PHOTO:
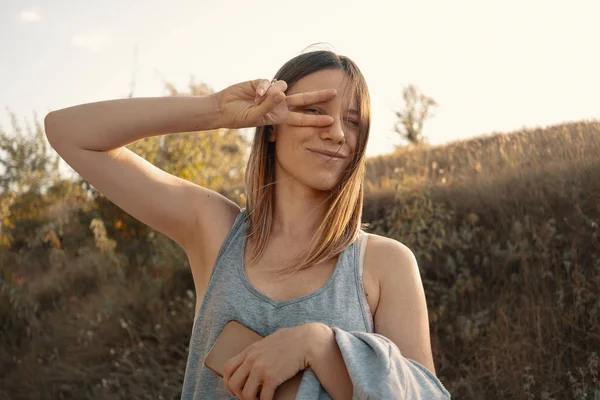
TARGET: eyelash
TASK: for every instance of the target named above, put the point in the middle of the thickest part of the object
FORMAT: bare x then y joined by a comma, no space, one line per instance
355,123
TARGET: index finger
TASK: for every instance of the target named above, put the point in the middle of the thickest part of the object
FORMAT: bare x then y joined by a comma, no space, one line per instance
305,98
301,119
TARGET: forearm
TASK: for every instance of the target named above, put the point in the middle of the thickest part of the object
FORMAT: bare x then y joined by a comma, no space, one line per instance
107,125
326,361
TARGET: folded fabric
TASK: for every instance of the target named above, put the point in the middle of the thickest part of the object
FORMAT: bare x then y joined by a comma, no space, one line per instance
377,370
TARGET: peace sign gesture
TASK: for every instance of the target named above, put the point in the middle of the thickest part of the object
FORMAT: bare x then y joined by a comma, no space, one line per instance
262,102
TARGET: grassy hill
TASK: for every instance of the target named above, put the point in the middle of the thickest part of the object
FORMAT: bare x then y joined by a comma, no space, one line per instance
505,228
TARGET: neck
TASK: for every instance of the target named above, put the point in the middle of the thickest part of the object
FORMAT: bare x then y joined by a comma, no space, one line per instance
299,210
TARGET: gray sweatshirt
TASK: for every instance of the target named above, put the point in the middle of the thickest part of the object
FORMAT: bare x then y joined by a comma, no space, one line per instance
377,370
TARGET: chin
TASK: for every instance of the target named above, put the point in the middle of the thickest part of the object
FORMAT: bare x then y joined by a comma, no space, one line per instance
322,180
324,185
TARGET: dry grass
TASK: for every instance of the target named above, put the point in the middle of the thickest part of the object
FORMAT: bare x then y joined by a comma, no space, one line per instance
505,228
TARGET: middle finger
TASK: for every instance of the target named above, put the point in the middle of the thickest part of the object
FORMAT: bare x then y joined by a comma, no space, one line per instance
237,381
253,386
305,98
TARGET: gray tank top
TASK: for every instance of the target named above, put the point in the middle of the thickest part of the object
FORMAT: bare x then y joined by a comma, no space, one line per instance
229,295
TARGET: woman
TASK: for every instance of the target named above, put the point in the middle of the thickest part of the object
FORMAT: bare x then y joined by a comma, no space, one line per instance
290,265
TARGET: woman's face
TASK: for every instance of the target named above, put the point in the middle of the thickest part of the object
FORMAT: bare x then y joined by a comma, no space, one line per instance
295,145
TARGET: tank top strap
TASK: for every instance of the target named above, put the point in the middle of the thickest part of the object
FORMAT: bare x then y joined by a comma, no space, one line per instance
359,269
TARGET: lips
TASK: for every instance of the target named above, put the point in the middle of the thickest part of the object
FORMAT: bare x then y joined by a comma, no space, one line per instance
328,153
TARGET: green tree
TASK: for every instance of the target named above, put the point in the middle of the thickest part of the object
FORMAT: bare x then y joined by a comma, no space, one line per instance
28,162
214,159
29,168
411,118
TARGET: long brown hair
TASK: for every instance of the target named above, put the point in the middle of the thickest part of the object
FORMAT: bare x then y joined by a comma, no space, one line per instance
342,222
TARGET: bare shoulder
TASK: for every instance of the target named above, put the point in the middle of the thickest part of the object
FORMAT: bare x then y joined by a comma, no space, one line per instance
402,314
385,248
387,256
383,259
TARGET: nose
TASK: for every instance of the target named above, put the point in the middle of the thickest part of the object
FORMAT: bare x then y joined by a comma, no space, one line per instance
334,132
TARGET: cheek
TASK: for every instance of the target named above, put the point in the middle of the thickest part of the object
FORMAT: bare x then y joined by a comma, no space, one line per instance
293,138
353,143
288,148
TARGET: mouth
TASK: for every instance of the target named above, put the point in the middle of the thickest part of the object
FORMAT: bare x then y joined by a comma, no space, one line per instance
327,155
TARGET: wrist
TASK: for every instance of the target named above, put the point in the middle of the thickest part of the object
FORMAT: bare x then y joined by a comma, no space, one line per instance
214,107
320,337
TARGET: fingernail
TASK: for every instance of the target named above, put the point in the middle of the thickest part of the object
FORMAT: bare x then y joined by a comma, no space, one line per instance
261,91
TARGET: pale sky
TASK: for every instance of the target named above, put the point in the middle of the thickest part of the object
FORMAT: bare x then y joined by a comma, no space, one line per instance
493,66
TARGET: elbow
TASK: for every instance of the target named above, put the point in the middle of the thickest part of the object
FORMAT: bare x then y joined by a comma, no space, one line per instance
51,128
49,124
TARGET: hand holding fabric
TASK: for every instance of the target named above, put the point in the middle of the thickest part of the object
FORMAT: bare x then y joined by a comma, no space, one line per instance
266,364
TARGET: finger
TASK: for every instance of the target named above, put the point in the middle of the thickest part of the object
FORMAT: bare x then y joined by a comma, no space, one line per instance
268,87
270,102
303,119
261,86
305,98
238,380
230,368
252,385
267,393
280,85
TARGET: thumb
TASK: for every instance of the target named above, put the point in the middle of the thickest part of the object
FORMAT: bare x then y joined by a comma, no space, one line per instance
270,103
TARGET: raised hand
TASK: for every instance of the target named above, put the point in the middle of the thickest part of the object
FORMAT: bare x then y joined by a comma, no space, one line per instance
260,102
